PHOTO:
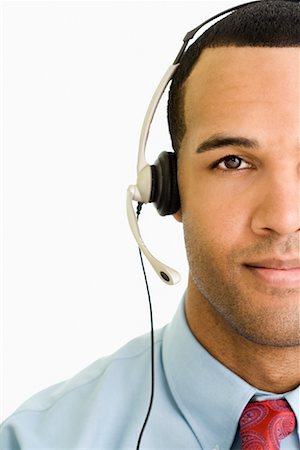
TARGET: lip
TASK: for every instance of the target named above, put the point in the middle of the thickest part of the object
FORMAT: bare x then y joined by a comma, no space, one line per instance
277,272
274,263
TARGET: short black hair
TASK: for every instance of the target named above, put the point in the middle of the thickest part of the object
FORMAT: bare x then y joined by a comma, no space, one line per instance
268,23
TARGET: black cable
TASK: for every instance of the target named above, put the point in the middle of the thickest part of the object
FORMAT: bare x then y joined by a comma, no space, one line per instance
138,211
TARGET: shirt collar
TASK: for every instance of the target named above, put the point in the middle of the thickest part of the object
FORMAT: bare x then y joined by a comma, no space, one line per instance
209,395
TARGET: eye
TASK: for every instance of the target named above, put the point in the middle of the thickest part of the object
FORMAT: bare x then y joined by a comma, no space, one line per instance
231,162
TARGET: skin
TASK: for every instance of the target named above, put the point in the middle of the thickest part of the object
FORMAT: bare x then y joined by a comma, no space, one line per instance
232,217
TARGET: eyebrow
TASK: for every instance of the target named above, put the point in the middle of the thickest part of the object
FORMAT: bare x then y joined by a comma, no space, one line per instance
217,141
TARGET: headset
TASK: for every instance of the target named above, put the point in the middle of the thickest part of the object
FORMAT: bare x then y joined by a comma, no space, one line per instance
157,183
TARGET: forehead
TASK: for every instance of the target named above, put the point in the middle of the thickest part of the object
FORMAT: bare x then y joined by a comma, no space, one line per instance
223,68
244,87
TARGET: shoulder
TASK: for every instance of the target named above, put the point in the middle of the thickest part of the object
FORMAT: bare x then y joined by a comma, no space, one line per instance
102,386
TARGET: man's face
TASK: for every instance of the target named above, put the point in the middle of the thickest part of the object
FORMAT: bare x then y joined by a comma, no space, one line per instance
241,215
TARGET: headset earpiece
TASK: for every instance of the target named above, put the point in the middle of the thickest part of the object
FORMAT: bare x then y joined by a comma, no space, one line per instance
164,188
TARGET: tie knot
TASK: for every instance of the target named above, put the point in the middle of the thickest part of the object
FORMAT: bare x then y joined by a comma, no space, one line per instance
264,424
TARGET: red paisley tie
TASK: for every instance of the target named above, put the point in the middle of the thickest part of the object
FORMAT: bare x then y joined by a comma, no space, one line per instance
264,424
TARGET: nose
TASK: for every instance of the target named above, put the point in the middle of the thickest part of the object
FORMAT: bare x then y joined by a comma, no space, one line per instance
278,206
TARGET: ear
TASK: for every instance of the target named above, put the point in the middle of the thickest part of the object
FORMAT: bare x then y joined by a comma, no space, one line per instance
178,216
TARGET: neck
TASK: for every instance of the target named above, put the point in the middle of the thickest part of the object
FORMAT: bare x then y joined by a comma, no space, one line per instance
277,369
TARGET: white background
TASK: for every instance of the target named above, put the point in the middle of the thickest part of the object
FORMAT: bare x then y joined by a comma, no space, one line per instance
76,81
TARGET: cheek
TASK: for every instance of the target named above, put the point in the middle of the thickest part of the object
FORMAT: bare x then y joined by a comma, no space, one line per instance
219,216
212,235
208,252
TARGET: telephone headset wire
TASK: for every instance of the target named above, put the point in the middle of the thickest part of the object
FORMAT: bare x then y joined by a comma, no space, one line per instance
138,211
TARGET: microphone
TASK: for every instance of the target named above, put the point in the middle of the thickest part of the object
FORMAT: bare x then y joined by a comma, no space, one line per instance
167,274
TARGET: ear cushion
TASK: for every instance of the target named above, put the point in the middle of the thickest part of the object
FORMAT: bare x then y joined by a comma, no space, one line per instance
164,190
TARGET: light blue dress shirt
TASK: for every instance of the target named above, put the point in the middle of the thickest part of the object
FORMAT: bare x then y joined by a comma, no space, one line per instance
197,401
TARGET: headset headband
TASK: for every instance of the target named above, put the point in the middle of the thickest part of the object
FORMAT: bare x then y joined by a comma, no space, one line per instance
190,34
